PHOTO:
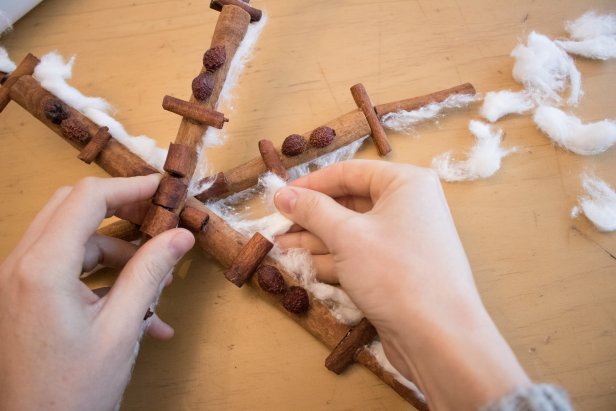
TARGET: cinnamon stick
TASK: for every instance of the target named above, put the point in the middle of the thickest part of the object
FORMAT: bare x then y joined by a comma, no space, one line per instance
157,220
349,127
219,187
180,160
418,102
171,192
255,14
271,158
26,67
95,146
248,259
194,112
360,95
194,219
344,354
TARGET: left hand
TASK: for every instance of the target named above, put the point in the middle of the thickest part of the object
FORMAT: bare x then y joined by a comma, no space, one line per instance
64,348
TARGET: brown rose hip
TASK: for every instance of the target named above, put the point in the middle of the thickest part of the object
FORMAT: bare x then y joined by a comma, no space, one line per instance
322,137
214,58
203,85
270,279
56,111
75,130
294,145
295,300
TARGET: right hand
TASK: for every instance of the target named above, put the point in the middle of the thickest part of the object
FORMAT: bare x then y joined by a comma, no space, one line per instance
384,232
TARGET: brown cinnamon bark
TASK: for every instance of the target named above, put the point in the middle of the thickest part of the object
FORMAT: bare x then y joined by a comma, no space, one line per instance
116,159
418,102
157,220
255,14
194,219
94,147
219,188
344,354
230,30
194,112
271,158
25,68
180,160
360,95
171,192
248,259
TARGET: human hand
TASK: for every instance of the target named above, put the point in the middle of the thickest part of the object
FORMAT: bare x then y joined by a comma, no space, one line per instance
384,232
64,348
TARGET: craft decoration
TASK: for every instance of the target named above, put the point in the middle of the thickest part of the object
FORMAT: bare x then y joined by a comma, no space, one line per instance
248,259
271,158
360,95
194,112
194,219
344,354
96,144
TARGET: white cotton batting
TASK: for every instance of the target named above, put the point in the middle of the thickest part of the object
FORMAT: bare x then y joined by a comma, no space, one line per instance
598,48
591,25
598,204
545,70
484,159
6,64
569,132
497,104
376,349
403,121
53,72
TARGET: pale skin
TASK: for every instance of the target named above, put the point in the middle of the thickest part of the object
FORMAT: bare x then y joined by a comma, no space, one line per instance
64,348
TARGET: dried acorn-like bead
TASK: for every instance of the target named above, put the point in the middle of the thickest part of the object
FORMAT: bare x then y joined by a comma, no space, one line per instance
294,145
75,130
203,85
295,300
214,58
270,279
56,111
322,137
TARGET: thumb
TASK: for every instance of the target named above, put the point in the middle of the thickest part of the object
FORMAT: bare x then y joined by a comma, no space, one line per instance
315,211
142,277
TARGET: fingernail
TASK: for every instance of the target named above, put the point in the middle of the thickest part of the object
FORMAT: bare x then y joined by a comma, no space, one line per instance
285,200
181,242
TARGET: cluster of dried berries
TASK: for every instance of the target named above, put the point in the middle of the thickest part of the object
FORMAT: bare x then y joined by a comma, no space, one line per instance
322,137
56,111
214,58
295,300
294,145
75,130
203,85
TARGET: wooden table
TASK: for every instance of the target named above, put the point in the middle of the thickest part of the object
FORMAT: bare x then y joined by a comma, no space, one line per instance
548,281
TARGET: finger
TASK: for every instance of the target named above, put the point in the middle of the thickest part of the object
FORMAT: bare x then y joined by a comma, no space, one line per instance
359,204
314,211
134,212
159,329
87,204
39,222
302,239
362,178
325,268
107,251
142,278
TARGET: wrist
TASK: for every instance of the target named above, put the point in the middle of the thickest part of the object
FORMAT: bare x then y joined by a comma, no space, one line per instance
455,355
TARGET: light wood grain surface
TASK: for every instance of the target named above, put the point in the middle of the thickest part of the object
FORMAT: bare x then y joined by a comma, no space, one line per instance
548,281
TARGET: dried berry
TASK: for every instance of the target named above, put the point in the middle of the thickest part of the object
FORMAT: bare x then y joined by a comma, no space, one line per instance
56,111
75,130
294,145
203,85
295,300
214,58
322,137
270,279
